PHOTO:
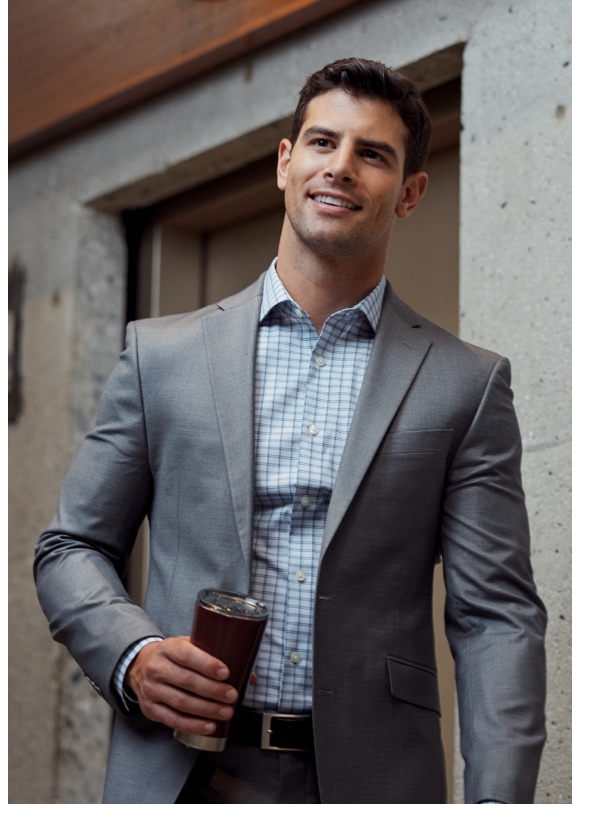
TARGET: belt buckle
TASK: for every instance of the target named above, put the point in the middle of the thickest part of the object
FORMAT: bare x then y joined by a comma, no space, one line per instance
266,731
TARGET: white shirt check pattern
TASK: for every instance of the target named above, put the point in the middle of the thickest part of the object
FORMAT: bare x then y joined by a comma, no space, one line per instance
306,389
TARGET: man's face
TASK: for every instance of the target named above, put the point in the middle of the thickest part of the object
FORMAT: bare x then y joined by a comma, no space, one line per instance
343,179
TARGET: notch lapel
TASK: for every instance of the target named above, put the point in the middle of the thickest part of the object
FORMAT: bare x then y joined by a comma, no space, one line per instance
398,352
230,337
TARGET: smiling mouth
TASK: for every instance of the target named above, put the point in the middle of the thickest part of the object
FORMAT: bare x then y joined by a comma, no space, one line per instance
332,200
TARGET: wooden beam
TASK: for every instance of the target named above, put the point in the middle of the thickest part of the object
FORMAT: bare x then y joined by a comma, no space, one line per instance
72,63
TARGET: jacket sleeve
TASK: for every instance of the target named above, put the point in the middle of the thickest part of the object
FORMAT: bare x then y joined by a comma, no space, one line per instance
495,621
81,559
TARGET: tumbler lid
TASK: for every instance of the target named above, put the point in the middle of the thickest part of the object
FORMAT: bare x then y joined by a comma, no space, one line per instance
233,604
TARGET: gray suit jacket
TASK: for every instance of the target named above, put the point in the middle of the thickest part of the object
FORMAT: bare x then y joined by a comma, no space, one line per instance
430,468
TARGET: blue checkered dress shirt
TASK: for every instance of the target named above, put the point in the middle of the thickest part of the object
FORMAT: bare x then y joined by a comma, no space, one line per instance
306,389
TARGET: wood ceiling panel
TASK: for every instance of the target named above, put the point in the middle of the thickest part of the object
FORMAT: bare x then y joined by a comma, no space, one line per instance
71,63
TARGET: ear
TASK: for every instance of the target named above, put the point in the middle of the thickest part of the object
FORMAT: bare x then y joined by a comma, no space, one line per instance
283,161
413,191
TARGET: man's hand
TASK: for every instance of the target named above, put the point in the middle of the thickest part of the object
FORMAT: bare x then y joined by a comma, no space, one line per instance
181,686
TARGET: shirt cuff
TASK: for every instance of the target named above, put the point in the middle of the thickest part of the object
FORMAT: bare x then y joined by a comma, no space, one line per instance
125,694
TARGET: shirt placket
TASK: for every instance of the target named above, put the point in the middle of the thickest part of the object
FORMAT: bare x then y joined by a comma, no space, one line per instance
318,377
309,512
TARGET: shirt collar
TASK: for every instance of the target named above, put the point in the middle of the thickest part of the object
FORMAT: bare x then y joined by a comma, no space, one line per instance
275,293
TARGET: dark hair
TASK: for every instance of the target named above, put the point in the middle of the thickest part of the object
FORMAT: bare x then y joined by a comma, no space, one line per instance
361,78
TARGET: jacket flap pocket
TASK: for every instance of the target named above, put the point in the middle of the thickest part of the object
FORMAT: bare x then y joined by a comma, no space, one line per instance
414,684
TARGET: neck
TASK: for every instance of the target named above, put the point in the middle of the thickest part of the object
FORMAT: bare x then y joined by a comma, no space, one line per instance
323,284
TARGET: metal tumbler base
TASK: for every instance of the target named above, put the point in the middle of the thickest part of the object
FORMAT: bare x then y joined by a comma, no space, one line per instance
200,742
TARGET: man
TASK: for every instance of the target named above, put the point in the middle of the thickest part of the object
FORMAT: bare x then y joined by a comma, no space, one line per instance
317,443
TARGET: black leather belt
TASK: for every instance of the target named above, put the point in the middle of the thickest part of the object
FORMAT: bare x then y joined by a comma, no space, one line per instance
274,732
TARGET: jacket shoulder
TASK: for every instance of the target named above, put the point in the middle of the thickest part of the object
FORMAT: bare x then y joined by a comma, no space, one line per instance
447,347
179,328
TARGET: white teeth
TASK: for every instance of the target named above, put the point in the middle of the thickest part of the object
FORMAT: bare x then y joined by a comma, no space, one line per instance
330,200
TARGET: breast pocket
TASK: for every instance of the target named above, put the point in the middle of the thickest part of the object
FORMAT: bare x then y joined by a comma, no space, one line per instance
409,442
411,465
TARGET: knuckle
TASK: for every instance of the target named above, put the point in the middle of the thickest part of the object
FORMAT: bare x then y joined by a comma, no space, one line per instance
181,701
188,679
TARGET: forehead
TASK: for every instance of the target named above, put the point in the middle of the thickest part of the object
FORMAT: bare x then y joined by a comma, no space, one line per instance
369,118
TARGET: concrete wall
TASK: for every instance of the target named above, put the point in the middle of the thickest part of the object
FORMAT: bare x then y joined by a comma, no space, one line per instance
514,286
515,290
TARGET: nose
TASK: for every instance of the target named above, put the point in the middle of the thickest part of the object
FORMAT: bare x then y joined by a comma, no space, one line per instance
340,165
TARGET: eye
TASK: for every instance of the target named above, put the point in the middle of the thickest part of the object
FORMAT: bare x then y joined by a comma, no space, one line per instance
372,154
322,142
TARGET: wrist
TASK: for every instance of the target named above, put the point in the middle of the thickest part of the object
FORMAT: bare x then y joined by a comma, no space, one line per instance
122,676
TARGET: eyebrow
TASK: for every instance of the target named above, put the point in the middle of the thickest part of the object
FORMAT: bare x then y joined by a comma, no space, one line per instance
370,143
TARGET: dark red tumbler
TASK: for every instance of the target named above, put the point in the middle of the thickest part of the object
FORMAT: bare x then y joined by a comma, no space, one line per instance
229,626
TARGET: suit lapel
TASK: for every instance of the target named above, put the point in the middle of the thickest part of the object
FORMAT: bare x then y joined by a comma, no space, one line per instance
398,352
230,338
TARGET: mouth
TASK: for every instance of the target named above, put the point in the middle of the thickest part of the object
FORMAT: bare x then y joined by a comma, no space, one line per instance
338,202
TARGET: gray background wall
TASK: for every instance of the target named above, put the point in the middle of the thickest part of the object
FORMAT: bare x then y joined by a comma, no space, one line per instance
514,298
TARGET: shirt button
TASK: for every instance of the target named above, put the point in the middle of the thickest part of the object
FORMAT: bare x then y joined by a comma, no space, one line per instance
295,658
313,430
300,577
320,361
305,501
298,312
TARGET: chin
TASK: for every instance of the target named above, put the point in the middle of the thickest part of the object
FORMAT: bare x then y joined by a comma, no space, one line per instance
333,245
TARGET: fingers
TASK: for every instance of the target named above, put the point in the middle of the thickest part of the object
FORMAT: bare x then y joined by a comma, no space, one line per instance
181,686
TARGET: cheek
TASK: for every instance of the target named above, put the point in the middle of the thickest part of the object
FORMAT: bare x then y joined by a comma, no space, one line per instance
293,180
387,204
